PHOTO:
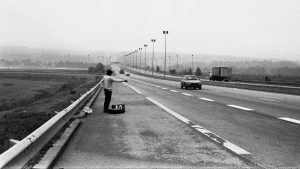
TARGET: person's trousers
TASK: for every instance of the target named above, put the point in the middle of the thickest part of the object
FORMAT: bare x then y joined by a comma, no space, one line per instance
107,94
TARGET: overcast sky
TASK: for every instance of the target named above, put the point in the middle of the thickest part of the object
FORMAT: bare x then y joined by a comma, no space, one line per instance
255,28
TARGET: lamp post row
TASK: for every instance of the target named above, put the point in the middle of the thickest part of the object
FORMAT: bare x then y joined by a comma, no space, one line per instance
165,61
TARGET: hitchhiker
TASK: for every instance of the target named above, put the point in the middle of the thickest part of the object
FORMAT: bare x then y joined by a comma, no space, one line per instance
107,83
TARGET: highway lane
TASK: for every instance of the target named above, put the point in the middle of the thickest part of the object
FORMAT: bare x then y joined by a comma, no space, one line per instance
266,103
144,137
273,142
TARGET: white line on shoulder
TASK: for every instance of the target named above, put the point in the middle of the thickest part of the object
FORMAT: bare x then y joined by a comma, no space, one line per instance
204,131
240,107
289,120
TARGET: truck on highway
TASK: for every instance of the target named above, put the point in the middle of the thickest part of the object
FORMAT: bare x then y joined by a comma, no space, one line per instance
220,74
121,71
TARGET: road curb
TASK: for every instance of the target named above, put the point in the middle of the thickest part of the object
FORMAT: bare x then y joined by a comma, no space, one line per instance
52,153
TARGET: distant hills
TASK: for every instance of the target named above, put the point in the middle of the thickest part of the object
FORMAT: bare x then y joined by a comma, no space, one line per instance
36,57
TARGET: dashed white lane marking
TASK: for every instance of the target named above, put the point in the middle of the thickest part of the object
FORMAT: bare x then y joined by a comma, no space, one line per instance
175,91
206,99
271,100
136,90
204,131
290,120
240,107
186,94
157,86
164,88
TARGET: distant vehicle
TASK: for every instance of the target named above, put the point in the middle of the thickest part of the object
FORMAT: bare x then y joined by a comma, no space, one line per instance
121,71
220,74
191,81
127,74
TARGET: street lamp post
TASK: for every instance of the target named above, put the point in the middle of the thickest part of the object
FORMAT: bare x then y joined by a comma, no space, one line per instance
140,58
153,40
177,64
192,64
132,60
165,33
136,51
169,63
145,57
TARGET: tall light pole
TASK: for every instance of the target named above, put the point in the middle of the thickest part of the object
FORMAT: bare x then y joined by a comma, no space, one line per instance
177,64
169,63
145,57
140,58
132,60
165,33
136,51
192,64
153,40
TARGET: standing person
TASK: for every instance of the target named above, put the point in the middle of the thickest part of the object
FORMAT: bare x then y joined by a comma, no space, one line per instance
107,83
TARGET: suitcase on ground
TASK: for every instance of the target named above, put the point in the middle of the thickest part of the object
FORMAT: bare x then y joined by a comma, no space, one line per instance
117,109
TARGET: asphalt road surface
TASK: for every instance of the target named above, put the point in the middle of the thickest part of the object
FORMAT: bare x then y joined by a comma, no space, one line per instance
261,123
145,136
265,124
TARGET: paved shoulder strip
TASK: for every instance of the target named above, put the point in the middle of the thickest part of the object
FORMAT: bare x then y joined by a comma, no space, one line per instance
210,135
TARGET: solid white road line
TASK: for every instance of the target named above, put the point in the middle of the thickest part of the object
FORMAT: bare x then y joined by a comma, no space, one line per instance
290,120
206,99
240,107
181,118
204,131
175,91
136,90
186,94
269,100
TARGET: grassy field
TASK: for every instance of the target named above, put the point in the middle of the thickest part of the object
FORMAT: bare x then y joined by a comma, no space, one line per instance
268,79
29,98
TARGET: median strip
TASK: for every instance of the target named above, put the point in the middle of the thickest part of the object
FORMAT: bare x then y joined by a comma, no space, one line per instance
240,107
290,120
230,146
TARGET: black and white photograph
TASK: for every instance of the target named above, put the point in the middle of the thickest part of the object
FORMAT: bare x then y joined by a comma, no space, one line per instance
149,84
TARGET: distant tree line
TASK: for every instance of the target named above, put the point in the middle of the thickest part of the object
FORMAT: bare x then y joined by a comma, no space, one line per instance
30,63
99,68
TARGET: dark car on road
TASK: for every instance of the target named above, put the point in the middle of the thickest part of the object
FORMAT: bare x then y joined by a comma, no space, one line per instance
190,81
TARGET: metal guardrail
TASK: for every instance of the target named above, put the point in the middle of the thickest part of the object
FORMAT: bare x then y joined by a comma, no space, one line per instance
18,155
